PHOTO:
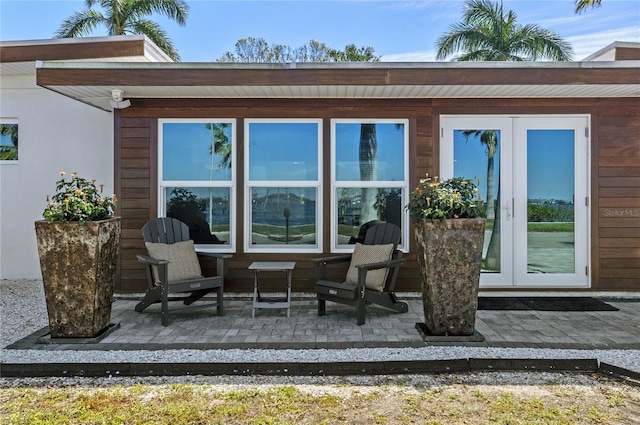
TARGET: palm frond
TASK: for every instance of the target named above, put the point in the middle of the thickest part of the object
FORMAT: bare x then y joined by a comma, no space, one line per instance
582,5
488,32
176,10
155,34
80,24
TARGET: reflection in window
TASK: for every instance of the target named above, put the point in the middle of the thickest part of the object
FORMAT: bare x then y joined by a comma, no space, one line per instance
476,156
283,216
204,209
283,178
196,178
387,208
370,177
550,201
8,141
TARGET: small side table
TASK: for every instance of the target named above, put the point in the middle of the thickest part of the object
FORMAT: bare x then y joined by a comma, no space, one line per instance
272,302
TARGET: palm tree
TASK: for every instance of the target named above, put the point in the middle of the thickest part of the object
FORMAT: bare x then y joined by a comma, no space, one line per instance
127,17
488,32
582,5
368,155
489,139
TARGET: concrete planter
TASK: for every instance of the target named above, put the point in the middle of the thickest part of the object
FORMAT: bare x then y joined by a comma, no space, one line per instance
450,260
78,264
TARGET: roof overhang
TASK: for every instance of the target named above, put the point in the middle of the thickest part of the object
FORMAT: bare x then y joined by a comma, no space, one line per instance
92,82
20,57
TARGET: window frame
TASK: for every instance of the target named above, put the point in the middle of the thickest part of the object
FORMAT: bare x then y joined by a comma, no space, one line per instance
231,184
249,184
11,121
378,184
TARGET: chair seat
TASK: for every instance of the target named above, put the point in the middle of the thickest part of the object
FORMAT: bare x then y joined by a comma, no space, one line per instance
335,289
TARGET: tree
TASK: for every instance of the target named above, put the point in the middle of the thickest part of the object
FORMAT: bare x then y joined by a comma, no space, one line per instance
220,145
351,53
582,5
489,139
257,50
488,32
122,17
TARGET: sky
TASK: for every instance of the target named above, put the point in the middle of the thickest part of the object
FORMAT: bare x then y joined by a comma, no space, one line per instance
398,30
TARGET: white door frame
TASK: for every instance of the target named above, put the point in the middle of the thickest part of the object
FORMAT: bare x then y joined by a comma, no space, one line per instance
513,130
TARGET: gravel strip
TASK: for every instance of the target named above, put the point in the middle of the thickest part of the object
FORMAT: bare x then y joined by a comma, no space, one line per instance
23,311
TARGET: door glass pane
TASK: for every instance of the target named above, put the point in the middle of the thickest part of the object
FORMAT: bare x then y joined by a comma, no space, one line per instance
476,155
550,201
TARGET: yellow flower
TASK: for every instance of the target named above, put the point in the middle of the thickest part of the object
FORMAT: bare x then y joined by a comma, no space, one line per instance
62,173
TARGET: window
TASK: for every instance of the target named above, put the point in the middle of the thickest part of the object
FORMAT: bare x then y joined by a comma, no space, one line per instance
8,140
196,174
369,178
283,175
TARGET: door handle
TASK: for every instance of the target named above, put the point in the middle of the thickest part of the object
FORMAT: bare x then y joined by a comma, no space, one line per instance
507,207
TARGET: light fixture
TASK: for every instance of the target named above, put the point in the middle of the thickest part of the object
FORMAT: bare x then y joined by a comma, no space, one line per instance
117,101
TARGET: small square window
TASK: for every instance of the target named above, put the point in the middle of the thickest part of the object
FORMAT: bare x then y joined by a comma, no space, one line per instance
8,140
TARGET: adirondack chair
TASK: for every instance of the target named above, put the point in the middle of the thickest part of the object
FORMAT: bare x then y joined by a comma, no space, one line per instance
362,232
173,267
371,277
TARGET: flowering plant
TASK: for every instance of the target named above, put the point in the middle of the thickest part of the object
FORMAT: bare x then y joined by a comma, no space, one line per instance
78,200
453,198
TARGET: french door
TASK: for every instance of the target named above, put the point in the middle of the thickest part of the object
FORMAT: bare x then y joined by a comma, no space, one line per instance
533,179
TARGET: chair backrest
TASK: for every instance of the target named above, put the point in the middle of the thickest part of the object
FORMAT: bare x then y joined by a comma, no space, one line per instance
165,230
362,232
383,233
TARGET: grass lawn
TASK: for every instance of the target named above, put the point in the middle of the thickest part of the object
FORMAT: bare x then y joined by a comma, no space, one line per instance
394,401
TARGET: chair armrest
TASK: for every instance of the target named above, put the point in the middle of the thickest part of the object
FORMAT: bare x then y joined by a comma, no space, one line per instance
151,261
221,261
333,259
320,264
215,255
364,268
382,264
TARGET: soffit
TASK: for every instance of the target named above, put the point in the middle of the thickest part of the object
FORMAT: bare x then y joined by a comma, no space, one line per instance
92,83
100,96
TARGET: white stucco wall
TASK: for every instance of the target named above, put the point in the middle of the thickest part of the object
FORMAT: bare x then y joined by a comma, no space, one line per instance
55,134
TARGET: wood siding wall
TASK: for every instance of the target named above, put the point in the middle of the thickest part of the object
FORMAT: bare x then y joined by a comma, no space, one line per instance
617,208
615,171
